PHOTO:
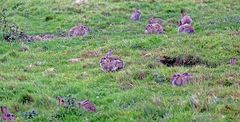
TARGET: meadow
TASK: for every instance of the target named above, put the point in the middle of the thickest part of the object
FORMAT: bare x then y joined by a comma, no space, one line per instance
142,91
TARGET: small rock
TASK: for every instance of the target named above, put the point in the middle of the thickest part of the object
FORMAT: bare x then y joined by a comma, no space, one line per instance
79,2
74,60
29,68
50,72
39,63
87,105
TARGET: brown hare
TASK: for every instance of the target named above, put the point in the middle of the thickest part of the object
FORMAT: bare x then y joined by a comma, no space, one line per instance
181,79
110,63
153,20
185,28
86,105
233,61
79,30
154,29
136,15
61,101
6,116
186,19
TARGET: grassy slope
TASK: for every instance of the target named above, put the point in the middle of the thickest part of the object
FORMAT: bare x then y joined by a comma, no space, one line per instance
121,96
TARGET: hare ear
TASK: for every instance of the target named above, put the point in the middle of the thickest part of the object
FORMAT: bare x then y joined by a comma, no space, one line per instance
4,109
109,53
179,23
59,99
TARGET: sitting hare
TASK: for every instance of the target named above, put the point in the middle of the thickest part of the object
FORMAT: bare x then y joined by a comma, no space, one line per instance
186,19
233,61
86,105
110,63
61,102
185,28
136,15
79,30
181,79
6,116
154,29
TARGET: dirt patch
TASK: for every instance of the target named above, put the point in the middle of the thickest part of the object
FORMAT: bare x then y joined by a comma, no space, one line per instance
90,54
74,60
230,79
126,85
141,75
234,33
187,61
22,78
145,54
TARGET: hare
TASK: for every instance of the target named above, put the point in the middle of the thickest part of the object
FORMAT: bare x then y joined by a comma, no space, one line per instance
61,101
154,29
110,63
185,28
86,105
6,116
79,30
233,61
181,79
186,19
153,20
136,15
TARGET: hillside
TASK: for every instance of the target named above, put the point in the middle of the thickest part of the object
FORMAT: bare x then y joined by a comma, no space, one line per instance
142,90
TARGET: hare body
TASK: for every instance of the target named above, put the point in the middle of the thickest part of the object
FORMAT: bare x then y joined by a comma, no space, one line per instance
154,29
6,116
136,15
181,79
233,61
87,105
186,28
79,30
110,63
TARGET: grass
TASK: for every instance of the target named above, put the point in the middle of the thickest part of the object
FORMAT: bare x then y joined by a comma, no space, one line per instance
132,94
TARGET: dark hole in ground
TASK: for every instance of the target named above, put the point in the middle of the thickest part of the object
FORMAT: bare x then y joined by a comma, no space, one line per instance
186,61
26,98
48,18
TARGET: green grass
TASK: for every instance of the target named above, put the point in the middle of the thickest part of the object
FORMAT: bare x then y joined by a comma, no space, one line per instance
121,96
